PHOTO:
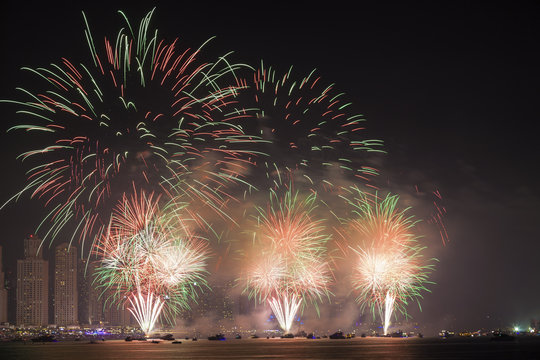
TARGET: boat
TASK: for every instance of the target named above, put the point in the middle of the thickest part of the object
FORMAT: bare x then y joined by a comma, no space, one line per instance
168,337
217,337
337,335
176,342
287,336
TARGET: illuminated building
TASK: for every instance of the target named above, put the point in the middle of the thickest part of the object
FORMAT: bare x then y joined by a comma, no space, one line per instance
65,285
32,285
219,305
226,306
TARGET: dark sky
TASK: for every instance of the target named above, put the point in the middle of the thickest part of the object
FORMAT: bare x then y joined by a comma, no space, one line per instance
450,86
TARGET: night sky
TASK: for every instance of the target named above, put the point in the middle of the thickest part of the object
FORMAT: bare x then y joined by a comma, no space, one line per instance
451,87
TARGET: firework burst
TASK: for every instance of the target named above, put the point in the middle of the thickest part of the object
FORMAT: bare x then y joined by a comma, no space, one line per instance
290,264
310,126
152,259
390,268
140,110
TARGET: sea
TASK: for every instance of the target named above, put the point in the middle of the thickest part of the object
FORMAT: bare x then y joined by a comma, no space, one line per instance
277,348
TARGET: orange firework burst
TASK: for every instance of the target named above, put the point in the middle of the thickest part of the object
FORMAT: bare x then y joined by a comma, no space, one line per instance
390,268
290,253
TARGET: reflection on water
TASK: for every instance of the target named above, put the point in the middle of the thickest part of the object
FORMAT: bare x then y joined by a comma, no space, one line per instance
358,348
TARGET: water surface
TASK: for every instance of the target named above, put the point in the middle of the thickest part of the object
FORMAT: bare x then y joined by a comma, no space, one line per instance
358,348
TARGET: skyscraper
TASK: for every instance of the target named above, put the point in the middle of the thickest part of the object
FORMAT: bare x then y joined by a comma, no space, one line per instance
115,311
3,293
83,287
65,285
95,302
117,314
32,285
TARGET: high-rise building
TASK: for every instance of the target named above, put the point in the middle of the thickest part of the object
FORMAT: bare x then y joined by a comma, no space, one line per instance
218,304
3,293
117,315
32,285
95,302
227,304
83,287
65,285
115,311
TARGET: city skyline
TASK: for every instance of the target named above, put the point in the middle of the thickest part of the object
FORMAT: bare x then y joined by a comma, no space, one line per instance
224,308
63,302
222,304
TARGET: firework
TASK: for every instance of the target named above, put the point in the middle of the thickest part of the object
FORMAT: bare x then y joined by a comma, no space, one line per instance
309,125
139,110
390,268
152,259
290,253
